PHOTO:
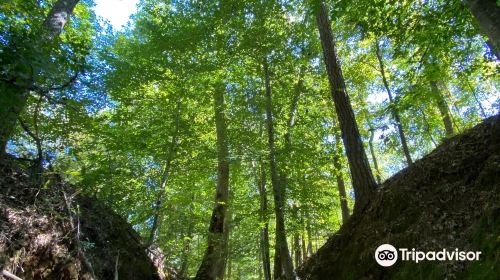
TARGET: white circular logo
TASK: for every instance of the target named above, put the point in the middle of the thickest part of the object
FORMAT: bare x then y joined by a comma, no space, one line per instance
386,255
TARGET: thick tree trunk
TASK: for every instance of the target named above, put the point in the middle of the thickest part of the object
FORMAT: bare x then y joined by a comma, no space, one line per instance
264,230
487,13
164,178
340,179
283,268
394,110
443,108
214,260
16,92
362,178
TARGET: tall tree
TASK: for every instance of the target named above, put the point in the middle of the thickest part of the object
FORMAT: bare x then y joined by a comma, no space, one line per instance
17,85
165,176
213,264
392,105
362,178
283,266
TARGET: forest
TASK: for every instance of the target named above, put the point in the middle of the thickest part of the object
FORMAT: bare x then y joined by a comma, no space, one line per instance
252,139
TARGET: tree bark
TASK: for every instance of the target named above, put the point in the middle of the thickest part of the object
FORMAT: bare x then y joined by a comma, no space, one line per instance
214,260
362,178
59,15
16,90
487,14
283,266
394,110
443,108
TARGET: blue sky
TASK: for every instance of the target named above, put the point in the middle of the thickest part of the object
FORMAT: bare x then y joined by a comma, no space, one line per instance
117,12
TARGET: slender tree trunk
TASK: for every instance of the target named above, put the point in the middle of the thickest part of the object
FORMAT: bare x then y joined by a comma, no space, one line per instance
487,14
394,110
164,178
303,245
260,269
372,151
297,251
443,108
214,260
16,91
362,178
283,268
309,235
264,220
37,168
474,94
427,126
340,179
186,251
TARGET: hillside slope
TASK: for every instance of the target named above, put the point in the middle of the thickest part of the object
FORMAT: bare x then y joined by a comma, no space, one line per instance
54,233
448,199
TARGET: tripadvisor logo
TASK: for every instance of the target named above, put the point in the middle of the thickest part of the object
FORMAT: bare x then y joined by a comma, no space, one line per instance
387,255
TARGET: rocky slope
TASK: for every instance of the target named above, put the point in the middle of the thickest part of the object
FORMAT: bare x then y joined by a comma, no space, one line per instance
51,232
448,199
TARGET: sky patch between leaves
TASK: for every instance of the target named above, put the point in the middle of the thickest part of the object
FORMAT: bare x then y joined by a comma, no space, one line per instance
117,12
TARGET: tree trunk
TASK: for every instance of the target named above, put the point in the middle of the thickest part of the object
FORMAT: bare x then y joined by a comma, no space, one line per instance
427,126
362,178
37,168
164,177
372,151
59,15
186,250
340,179
214,260
394,110
443,108
16,91
264,230
283,268
297,251
487,14
303,245
309,233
